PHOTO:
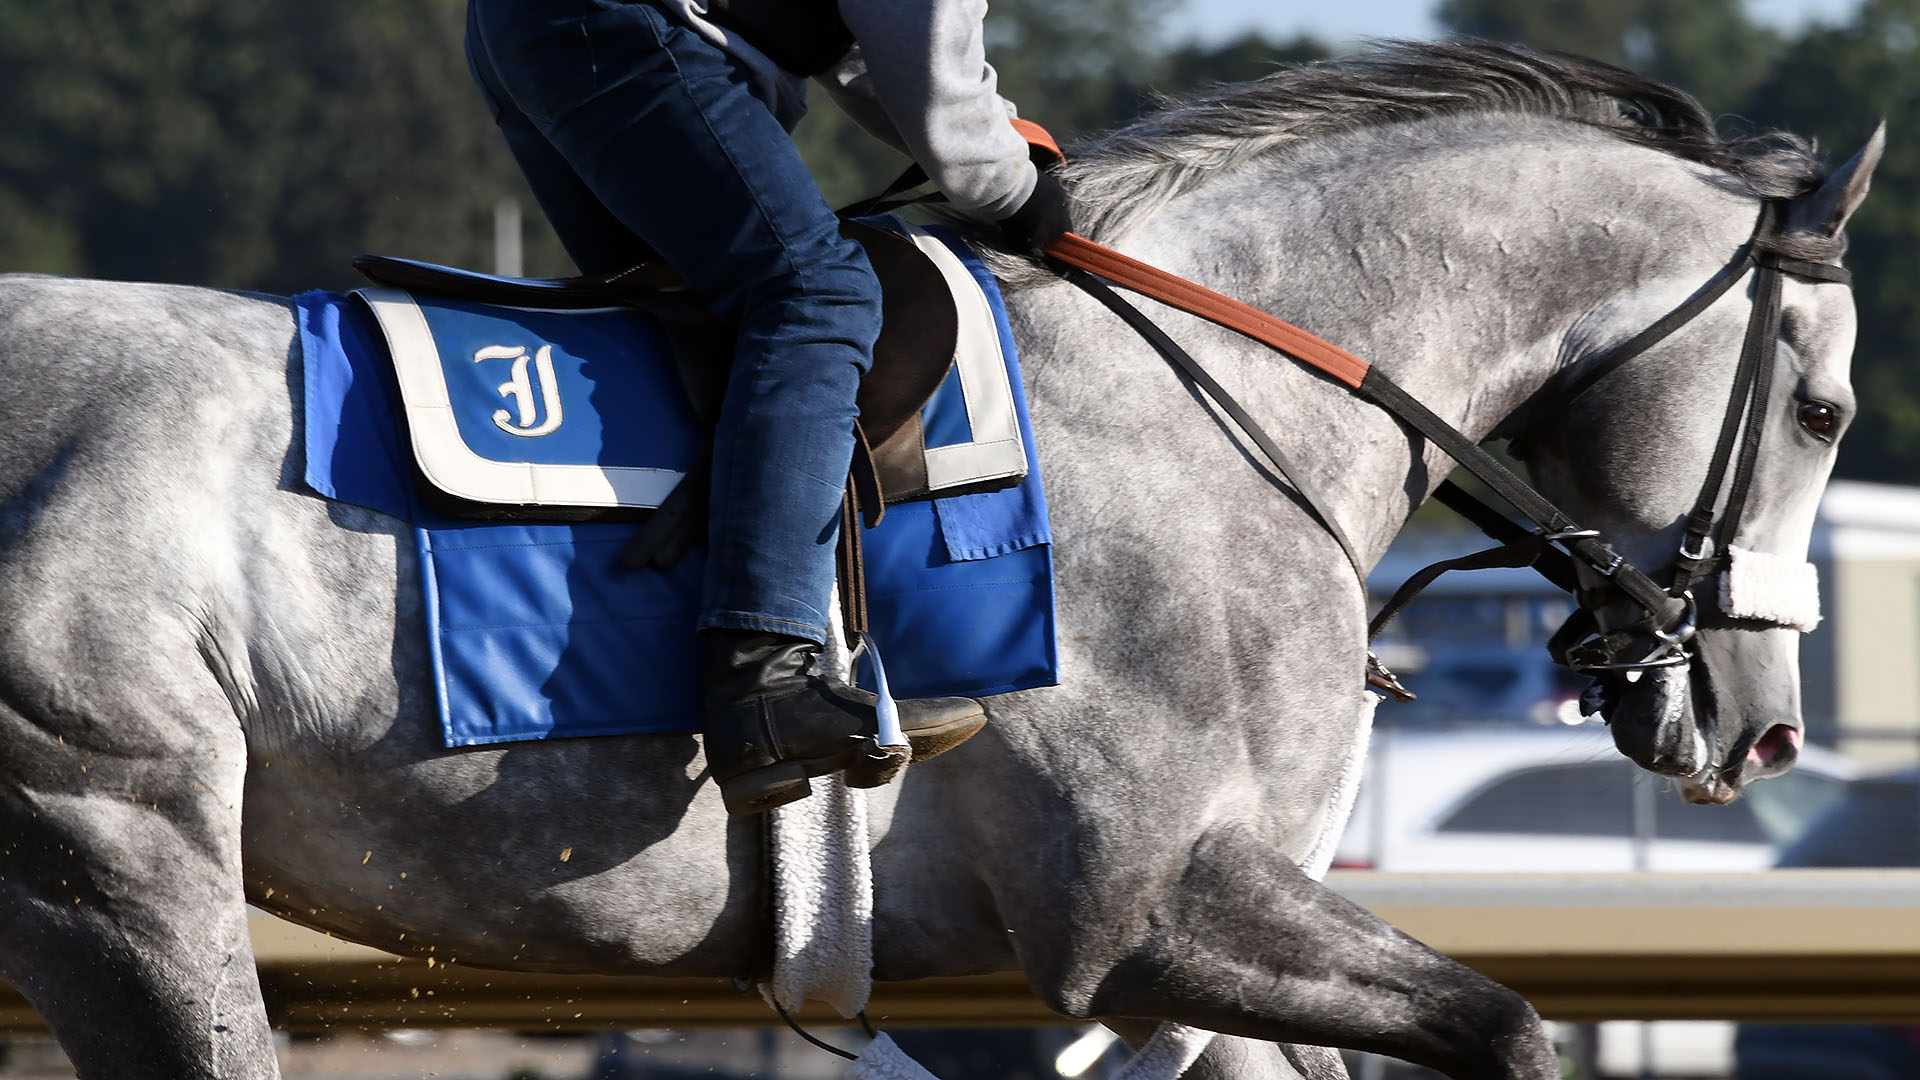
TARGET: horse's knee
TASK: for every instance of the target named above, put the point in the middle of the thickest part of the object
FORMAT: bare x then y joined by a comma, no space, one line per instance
1241,941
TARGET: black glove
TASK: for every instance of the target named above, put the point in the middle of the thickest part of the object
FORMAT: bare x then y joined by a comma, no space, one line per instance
1040,220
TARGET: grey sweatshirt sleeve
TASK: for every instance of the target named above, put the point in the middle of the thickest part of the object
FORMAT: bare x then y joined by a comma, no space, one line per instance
920,80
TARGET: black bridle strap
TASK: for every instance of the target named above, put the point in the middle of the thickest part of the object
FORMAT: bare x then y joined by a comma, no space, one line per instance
1523,552
1553,564
1188,366
1532,505
1570,383
1808,271
1691,563
1747,403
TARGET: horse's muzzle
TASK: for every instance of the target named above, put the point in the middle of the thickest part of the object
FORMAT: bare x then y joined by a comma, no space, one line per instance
1653,724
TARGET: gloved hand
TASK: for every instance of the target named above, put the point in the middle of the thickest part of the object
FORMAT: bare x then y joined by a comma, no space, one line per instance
1040,220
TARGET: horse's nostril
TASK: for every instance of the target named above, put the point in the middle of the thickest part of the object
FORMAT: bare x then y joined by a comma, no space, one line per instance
1778,747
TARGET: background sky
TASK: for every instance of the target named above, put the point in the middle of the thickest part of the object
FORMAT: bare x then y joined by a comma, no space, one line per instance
1212,20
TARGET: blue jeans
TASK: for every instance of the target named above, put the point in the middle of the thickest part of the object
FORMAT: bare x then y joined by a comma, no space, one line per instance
629,125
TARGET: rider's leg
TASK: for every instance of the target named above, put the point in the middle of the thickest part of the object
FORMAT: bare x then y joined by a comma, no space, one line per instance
668,135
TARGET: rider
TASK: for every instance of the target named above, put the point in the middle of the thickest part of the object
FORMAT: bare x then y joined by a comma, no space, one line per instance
661,126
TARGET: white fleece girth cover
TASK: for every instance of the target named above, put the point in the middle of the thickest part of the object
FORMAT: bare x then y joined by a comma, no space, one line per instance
822,900
1770,588
823,933
884,1060
823,918
1168,1055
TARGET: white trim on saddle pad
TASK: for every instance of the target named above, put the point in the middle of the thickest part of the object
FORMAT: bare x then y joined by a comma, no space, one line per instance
996,451
1770,588
451,465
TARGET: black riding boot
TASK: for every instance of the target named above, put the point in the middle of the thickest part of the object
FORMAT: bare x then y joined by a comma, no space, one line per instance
772,719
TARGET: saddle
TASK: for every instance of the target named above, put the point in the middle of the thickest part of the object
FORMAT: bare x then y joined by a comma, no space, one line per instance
912,359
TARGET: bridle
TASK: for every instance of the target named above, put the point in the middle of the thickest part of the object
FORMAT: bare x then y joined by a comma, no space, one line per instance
1707,534
1551,541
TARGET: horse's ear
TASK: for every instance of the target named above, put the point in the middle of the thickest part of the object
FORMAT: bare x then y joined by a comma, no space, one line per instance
1826,211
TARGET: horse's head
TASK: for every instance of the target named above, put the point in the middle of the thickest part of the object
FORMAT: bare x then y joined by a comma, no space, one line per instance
1641,452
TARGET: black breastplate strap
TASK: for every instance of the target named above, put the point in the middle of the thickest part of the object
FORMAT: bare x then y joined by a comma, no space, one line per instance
1201,378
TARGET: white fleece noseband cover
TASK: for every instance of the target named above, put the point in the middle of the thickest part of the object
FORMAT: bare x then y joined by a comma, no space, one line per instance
1770,588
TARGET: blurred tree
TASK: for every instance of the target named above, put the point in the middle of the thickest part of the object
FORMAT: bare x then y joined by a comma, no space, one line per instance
241,144
1708,47
1831,82
1081,63
1194,66
1834,84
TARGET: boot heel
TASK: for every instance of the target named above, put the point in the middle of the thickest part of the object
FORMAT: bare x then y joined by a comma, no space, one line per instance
878,766
764,788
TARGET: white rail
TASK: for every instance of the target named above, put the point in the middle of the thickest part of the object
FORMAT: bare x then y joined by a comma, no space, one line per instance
1780,945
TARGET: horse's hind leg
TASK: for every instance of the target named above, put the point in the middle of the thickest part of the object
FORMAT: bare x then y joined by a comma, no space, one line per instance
122,917
1241,941
1229,1057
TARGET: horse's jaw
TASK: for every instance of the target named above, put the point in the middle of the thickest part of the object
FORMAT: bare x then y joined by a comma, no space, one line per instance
1718,723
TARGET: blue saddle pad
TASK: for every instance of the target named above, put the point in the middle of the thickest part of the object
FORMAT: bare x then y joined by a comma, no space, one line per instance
535,630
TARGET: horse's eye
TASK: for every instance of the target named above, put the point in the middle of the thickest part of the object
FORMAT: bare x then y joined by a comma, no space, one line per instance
1819,418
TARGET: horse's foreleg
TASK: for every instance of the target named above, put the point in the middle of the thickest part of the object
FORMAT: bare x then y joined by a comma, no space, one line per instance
122,917
1243,942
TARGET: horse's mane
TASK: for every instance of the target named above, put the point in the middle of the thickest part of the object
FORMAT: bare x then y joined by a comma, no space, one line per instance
1132,172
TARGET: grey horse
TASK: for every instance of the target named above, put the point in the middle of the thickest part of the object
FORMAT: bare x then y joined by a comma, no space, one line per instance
213,684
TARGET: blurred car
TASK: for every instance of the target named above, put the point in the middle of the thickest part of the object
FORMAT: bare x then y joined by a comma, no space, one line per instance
1474,684
1876,823
1562,799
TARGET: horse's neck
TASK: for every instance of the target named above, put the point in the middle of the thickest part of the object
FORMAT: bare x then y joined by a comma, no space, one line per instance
1468,277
